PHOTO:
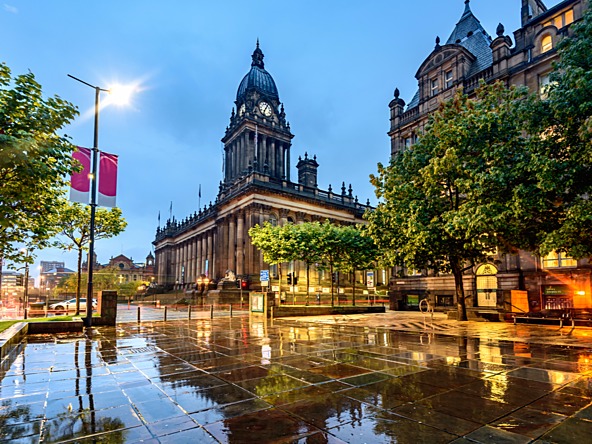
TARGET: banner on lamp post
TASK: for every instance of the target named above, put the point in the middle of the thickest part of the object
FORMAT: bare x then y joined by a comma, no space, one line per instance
107,180
80,182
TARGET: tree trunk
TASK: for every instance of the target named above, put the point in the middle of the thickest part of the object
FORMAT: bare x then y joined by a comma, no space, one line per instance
78,282
307,280
332,290
460,290
354,288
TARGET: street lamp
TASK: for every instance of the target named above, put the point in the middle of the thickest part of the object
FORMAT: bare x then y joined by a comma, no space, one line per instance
93,193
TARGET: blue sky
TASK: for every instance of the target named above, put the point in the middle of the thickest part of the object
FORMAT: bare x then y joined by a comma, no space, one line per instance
336,64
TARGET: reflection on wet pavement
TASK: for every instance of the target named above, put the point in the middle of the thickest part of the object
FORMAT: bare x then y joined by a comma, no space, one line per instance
242,380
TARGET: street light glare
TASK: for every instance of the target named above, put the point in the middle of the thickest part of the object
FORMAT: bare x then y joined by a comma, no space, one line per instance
121,94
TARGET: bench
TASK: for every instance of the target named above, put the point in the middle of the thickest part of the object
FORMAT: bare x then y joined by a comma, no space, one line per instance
581,316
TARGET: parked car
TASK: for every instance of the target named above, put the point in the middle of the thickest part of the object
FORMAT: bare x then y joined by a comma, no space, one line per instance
70,305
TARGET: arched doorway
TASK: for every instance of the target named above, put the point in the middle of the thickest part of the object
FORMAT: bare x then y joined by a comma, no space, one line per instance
486,285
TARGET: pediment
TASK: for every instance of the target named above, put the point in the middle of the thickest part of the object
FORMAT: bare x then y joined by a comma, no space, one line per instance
440,56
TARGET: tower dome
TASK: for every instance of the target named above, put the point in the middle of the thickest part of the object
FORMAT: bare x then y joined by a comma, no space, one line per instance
257,79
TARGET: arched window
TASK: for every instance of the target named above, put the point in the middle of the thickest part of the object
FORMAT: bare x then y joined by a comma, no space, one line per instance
486,285
546,43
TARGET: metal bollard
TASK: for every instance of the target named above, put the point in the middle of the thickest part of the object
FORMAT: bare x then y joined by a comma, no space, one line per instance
26,312
212,311
165,312
189,313
138,313
230,310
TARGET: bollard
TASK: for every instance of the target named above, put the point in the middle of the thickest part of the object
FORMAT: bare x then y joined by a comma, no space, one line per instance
212,311
138,314
26,312
165,312
189,313
230,310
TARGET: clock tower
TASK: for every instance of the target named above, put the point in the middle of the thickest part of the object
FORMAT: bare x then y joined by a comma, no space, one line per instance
258,139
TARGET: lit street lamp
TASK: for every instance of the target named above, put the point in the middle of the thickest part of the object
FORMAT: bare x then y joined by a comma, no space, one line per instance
93,194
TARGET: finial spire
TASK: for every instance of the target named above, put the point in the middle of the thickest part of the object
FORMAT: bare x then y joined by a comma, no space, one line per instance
257,56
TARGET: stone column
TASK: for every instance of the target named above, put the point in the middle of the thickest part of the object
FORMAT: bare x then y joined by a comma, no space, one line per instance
198,257
210,255
240,243
287,148
231,244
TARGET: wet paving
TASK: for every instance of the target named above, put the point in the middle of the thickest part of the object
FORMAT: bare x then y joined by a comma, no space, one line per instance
355,380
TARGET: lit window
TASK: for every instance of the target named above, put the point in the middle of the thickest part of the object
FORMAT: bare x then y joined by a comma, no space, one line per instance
434,87
561,20
448,79
546,43
558,260
544,84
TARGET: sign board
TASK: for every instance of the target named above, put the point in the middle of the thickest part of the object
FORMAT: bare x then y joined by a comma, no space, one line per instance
264,278
370,279
258,302
275,288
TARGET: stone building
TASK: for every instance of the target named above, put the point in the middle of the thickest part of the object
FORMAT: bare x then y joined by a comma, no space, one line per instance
469,55
256,188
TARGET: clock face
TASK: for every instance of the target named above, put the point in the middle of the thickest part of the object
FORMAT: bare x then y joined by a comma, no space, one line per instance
242,109
265,108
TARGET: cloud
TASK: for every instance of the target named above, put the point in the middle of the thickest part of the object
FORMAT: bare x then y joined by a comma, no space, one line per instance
10,8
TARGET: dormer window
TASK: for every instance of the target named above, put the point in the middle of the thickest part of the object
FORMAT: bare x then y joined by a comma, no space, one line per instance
546,43
435,88
448,79
561,20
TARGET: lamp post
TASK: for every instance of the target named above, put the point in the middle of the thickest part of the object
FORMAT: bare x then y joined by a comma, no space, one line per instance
93,202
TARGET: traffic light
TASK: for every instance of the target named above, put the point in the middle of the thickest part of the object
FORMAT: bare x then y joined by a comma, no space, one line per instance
239,283
20,280
289,278
244,284
295,280
333,276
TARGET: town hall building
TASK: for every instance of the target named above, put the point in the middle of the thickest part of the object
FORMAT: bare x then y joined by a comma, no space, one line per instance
257,187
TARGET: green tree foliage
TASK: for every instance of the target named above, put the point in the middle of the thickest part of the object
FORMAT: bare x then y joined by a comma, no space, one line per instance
455,197
564,122
73,220
35,162
340,248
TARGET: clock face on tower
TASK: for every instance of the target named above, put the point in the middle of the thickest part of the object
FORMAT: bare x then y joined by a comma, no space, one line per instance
242,109
265,108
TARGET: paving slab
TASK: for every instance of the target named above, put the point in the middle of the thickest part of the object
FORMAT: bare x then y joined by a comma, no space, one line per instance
383,378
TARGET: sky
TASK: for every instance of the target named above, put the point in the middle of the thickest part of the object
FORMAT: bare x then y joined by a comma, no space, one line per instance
336,64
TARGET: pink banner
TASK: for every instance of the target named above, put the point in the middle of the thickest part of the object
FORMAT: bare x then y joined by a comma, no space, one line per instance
80,182
107,180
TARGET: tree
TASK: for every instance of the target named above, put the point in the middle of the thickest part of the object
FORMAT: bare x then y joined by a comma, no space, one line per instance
73,218
35,162
358,252
564,122
275,242
454,198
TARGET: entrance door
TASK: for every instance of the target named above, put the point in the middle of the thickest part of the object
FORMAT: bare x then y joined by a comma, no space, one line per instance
486,285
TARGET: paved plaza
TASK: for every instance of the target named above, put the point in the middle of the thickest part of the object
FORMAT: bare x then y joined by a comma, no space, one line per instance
389,378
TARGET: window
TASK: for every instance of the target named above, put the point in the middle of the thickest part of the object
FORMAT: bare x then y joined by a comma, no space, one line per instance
546,43
448,79
408,141
434,87
544,84
561,20
558,260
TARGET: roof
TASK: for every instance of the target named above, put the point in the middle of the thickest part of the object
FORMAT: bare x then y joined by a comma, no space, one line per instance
469,33
257,79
